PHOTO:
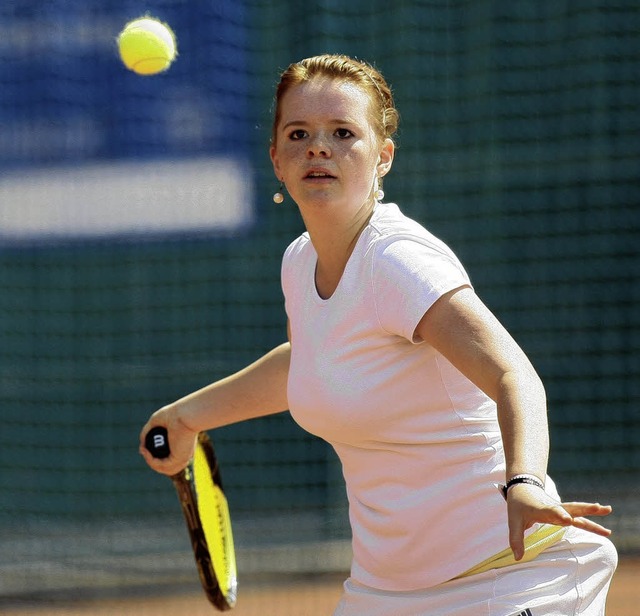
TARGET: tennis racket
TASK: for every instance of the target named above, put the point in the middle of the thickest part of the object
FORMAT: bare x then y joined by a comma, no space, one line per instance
206,512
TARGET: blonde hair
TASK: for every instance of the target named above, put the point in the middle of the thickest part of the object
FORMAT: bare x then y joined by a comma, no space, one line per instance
335,66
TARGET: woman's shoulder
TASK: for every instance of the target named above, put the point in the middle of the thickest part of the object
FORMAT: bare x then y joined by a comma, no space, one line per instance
302,242
390,225
299,250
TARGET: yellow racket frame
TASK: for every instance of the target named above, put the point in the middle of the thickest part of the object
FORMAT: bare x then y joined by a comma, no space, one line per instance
206,512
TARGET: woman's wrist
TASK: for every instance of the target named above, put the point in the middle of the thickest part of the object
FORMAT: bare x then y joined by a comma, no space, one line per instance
521,478
183,418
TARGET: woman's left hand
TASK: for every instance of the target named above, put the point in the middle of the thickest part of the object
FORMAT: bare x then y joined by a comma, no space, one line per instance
527,505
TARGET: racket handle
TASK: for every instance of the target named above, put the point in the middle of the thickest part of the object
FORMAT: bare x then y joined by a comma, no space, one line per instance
157,442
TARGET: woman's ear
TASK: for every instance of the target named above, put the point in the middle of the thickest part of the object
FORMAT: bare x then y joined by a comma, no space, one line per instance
274,161
385,160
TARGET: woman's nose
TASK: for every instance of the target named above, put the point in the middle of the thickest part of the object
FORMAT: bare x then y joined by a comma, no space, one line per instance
318,146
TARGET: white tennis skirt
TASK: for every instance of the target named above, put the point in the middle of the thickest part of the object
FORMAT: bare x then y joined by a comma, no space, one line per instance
570,578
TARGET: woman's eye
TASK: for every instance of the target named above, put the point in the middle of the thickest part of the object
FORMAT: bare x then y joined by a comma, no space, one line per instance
344,133
297,134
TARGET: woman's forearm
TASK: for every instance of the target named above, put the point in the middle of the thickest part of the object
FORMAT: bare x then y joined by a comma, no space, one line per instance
257,390
522,415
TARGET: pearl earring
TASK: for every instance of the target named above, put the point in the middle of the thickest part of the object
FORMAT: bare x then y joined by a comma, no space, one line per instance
378,193
279,197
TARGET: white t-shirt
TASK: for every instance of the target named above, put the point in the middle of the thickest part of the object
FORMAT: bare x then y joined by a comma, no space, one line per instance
419,444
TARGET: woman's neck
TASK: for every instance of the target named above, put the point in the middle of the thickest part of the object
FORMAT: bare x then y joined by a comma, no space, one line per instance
334,239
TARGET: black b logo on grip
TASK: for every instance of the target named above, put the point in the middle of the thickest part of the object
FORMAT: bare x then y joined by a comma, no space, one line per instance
157,442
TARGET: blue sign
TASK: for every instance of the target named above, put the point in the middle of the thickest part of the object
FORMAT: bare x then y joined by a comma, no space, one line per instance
89,148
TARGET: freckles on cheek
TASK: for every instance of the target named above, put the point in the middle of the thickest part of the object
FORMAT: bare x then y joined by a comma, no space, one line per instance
294,152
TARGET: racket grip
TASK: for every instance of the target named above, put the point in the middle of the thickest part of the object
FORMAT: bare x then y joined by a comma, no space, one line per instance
157,442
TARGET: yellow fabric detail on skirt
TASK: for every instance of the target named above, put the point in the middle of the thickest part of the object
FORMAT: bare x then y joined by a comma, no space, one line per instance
538,541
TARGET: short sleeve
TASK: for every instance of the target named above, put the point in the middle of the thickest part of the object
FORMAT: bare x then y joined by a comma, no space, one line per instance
409,275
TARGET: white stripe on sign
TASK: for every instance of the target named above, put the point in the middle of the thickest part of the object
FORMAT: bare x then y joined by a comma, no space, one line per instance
121,198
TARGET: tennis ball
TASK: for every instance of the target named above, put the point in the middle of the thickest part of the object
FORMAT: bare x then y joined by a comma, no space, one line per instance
147,46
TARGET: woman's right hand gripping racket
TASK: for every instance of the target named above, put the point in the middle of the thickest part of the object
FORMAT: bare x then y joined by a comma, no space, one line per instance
206,512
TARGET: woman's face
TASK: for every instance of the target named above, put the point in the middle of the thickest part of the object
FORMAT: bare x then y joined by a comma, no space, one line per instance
326,149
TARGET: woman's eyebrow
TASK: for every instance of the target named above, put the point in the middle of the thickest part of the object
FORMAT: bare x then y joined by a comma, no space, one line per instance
305,123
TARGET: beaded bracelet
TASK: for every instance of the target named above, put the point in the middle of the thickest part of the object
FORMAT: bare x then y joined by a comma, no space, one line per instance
529,479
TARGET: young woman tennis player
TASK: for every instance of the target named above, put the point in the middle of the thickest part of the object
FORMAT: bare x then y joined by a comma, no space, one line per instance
393,359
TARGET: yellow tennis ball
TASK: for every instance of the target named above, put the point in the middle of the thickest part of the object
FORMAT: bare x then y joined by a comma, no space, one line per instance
147,46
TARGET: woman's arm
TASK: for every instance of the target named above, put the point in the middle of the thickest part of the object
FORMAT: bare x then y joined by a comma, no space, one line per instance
259,389
463,329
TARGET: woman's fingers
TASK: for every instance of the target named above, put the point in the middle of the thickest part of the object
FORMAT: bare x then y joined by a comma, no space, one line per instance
528,506
583,509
